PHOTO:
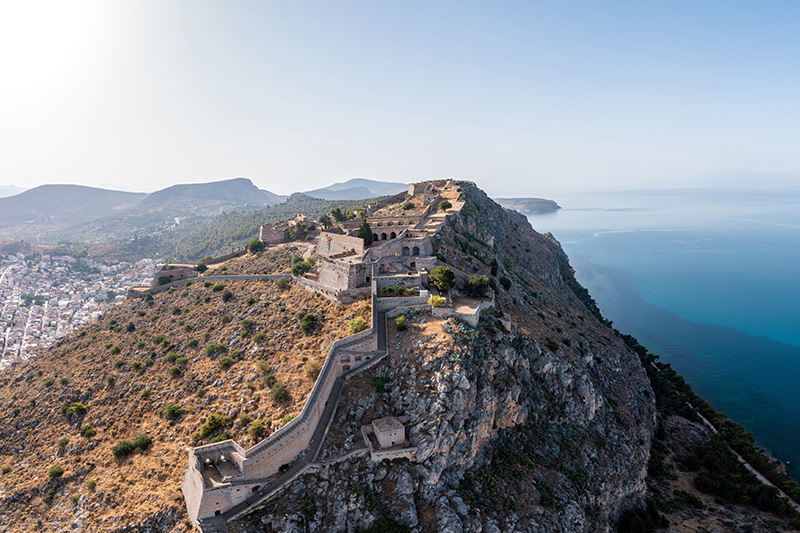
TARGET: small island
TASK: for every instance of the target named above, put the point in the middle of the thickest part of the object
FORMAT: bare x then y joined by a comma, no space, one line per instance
530,206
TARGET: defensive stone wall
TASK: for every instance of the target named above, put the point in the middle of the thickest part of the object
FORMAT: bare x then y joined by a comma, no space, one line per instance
334,243
222,258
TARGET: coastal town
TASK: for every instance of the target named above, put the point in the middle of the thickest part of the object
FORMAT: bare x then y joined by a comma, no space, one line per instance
44,297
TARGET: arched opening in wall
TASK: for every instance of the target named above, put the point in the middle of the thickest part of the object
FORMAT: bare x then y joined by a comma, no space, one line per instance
414,264
255,488
374,236
393,235
367,279
217,512
406,251
358,358
415,251
383,236
390,224
346,368
345,359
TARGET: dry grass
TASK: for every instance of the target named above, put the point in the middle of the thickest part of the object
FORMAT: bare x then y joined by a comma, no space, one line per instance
145,483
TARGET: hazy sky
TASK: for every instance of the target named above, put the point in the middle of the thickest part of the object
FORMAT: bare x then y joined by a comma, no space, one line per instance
518,96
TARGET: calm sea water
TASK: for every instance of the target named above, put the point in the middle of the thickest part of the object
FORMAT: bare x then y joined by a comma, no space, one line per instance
709,279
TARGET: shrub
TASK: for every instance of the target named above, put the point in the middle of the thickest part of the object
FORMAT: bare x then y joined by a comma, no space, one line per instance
63,381
401,323
255,246
442,278
357,325
182,361
279,393
505,282
258,337
5,469
262,365
380,383
225,362
444,205
256,429
215,348
91,484
172,411
269,380
247,325
145,394
79,409
116,350
142,442
227,295
218,287
436,301
88,432
213,423
207,284
201,267
123,448
477,285
49,382
174,371
312,369
307,321
193,343
139,367
55,472
221,437
119,363
282,284
245,419
63,442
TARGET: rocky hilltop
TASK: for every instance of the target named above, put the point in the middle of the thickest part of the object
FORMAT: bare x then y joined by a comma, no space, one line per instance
537,416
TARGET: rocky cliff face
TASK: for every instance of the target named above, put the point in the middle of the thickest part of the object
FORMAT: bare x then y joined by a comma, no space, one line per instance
539,419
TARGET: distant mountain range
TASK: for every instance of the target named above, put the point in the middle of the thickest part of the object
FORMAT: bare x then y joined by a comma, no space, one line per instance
357,189
10,190
105,222
64,204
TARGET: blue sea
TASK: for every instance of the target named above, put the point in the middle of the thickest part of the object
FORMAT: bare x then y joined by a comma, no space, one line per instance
709,279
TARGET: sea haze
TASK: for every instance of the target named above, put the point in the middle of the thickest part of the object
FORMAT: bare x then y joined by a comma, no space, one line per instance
709,279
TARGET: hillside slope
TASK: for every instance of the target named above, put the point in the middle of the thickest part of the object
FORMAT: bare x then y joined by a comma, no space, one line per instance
63,205
120,369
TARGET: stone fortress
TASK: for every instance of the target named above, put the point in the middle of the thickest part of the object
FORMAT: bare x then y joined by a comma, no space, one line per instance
223,481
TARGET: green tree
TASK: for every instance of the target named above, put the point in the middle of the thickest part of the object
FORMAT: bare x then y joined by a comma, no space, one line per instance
255,246
442,278
365,232
444,205
477,285
325,221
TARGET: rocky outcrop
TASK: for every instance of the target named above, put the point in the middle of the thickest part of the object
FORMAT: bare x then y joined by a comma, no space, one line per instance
539,419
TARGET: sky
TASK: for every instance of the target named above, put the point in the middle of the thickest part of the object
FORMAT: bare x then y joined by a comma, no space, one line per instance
521,97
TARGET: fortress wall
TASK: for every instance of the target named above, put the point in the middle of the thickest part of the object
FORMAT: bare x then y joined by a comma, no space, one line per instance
358,274
270,235
192,487
175,274
222,258
409,281
385,304
221,499
334,274
334,243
